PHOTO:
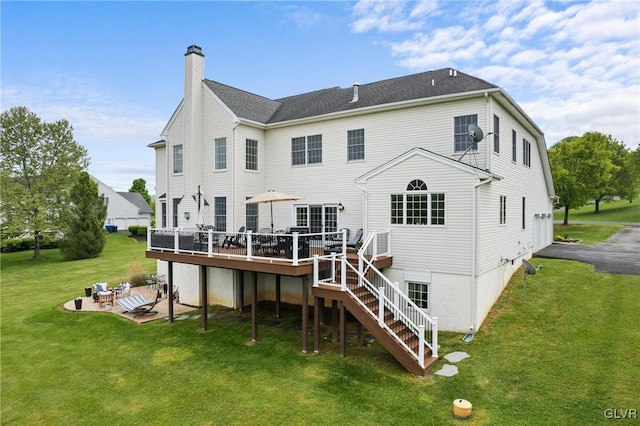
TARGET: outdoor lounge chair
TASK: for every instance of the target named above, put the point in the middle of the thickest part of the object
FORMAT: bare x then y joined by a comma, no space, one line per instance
138,304
234,240
337,245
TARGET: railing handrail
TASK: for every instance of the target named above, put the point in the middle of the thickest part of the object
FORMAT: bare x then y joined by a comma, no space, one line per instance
251,239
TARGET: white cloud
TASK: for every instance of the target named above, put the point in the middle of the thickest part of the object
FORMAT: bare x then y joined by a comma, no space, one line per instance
574,67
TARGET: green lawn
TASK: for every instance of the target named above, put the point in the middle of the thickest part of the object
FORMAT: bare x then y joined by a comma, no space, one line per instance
616,211
562,357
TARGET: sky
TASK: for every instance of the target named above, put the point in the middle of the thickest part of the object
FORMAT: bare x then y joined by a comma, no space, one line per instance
115,69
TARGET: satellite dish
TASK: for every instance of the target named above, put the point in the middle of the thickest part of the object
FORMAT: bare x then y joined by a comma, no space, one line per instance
475,132
528,268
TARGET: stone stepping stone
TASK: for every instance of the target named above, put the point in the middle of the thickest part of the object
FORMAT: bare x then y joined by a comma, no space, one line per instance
447,370
456,356
182,317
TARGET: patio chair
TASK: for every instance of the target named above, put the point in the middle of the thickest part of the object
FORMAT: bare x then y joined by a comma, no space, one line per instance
351,243
234,240
138,304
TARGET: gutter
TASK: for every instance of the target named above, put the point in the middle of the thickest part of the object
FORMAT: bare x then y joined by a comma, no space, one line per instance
474,256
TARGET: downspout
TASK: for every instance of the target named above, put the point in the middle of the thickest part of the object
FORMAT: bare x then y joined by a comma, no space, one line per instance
474,255
490,129
363,188
233,174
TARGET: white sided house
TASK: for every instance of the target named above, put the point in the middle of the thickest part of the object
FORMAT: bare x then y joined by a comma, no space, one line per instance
446,219
124,208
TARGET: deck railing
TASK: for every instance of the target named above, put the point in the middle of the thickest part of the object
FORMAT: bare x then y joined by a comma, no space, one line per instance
403,309
287,247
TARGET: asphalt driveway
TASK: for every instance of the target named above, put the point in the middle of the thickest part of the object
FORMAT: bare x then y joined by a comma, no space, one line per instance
620,254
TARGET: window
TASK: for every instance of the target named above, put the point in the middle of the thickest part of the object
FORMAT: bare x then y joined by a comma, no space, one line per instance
526,152
177,159
317,217
106,200
306,150
220,162
397,208
437,209
164,214
503,210
251,158
176,201
302,216
419,294
251,212
417,206
220,213
496,134
514,138
355,145
524,205
461,139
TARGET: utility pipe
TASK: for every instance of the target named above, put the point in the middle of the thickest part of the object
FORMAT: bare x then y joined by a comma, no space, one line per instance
474,255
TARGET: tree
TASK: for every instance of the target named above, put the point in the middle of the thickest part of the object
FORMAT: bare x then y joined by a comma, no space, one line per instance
39,163
608,157
140,186
84,235
628,178
569,190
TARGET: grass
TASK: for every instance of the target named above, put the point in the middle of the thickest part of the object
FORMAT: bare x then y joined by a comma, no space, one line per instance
562,357
587,234
616,211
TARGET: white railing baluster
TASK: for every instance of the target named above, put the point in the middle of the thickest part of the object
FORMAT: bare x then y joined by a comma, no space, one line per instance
176,241
249,244
343,273
210,243
295,249
434,337
316,271
421,345
148,239
381,306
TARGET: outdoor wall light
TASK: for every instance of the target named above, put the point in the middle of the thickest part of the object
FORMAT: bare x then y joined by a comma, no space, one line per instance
186,215
340,207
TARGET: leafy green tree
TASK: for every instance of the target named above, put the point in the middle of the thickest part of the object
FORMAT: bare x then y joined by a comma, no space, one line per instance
84,234
39,162
609,160
628,178
140,186
569,189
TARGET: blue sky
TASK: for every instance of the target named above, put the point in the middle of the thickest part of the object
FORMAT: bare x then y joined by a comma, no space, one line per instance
115,69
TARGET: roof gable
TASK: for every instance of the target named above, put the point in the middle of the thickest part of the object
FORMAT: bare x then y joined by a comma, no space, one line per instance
137,200
424,153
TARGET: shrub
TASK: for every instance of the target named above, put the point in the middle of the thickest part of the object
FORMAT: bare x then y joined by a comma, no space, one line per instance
136,275
142,231
133,230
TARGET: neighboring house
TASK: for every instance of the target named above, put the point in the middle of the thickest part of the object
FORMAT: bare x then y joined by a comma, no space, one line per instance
124,208
393,156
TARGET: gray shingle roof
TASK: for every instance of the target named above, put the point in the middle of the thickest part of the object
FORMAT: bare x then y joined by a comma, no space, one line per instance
137,199
412,87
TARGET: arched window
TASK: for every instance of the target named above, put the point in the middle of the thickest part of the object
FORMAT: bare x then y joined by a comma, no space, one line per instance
417,185
417,206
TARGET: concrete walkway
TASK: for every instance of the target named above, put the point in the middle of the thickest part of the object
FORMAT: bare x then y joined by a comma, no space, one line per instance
620,254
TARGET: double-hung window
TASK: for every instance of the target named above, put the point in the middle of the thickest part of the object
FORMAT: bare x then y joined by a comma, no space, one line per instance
461,138
355,145
177,159
503,210
306,150
514,145
417,206
220,213
251,212
220,162
251,154
526,152
175,203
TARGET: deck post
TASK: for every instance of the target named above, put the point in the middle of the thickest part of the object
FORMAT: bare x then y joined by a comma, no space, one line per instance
254,307
170,285
434,337
343,330
241,290
316,323
176,241
305,314
334,321
204,297
278,279
210,243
